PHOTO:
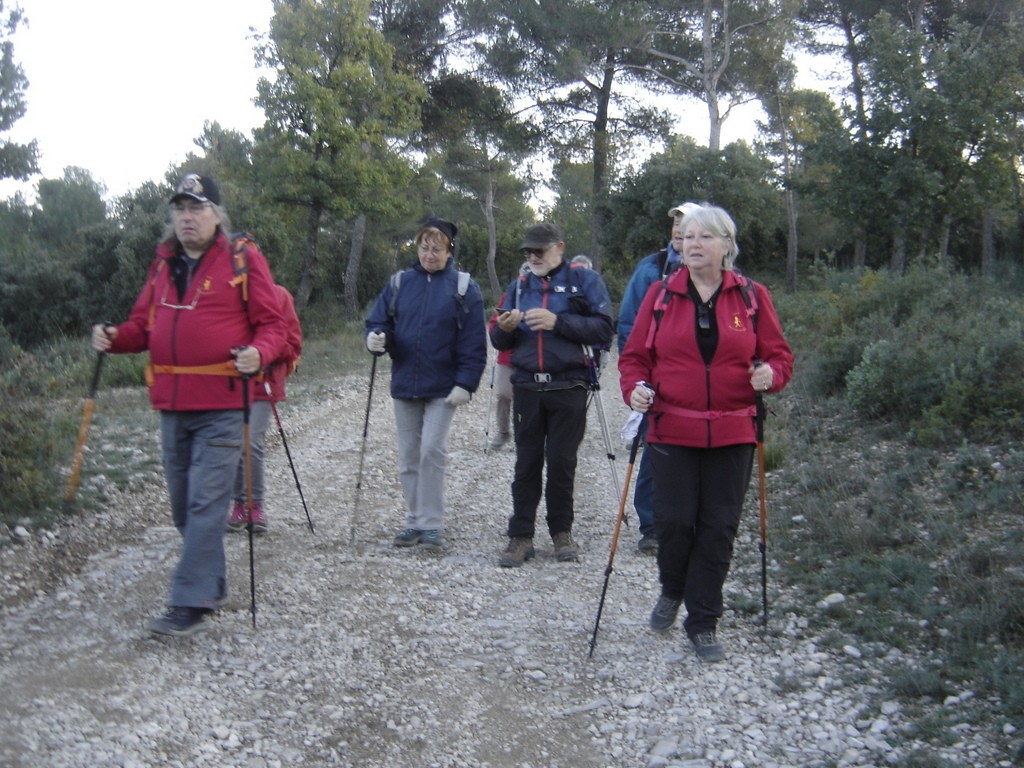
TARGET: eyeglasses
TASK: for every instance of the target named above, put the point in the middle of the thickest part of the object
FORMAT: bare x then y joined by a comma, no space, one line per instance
180,209
432,250
164,302
704,319
538,252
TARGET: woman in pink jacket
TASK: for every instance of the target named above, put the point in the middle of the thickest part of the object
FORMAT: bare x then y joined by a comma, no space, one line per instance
705,342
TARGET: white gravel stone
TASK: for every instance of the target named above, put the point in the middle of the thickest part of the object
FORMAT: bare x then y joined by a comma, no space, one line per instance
368,655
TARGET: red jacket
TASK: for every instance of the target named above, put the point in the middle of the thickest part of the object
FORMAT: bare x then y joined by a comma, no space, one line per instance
699,405
504,356
285,365
210,321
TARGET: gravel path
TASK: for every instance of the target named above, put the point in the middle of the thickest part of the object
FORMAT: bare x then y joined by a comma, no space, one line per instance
366,655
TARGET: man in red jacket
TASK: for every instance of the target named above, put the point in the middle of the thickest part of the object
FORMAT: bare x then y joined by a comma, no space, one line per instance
208,318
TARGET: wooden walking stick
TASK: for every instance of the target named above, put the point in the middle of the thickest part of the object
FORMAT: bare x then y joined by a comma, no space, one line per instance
83,433
615,537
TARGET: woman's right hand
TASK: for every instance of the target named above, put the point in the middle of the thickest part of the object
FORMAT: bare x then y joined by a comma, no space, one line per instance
641,398
102,336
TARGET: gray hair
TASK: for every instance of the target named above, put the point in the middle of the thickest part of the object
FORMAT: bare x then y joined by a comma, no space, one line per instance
584,260
718,222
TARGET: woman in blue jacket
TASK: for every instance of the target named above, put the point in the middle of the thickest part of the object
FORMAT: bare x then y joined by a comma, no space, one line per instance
430,319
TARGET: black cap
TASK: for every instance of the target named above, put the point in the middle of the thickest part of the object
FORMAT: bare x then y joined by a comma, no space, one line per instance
541,236
200,188
449,229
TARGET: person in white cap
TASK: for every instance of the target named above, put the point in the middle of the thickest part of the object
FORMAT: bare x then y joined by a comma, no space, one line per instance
649,270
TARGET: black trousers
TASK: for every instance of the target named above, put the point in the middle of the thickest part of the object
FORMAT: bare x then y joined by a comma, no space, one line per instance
698,499
549,426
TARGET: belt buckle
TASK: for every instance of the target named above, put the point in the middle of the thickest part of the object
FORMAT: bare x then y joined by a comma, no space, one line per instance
542,378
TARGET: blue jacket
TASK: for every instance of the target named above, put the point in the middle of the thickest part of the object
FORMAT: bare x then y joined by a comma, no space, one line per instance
647,272
580,299
436,341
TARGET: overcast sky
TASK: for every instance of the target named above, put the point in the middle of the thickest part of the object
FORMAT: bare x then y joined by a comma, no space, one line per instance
122,87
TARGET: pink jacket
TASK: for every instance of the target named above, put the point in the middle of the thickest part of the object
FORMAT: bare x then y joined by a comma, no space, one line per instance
698,405
200,330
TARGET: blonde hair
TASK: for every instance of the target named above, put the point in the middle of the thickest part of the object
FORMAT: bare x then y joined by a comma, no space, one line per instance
718,222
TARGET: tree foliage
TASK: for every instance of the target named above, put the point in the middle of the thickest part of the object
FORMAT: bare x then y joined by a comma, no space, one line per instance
17,161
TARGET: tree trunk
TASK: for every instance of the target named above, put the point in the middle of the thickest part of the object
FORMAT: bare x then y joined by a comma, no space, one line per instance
988,247
492,240
308,271
599,186
355,260
860,253
947,224
899,253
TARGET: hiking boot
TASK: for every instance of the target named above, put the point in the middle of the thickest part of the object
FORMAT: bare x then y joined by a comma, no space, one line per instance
648,544
259,518
431,540
664,614
519,550
180,622
499,440
566,550
708,648
238,518
410,537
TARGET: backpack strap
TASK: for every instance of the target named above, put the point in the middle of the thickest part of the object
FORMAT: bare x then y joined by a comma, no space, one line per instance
749,293
395,282
460,295
240,243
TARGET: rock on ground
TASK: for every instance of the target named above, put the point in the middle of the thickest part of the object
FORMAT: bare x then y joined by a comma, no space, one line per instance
367,655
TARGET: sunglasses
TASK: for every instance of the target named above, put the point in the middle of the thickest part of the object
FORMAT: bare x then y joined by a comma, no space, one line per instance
704,319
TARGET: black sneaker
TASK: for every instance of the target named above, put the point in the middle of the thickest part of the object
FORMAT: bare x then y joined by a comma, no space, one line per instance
648,544
708,648
664,614
180,622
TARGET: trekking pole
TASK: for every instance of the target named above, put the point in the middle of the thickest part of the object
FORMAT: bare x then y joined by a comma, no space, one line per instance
247,452
83,433
362,451
615,538
595,390
288,453
490,402
764,515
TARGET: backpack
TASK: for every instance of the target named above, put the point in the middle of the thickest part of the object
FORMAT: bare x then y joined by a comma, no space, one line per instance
460,295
